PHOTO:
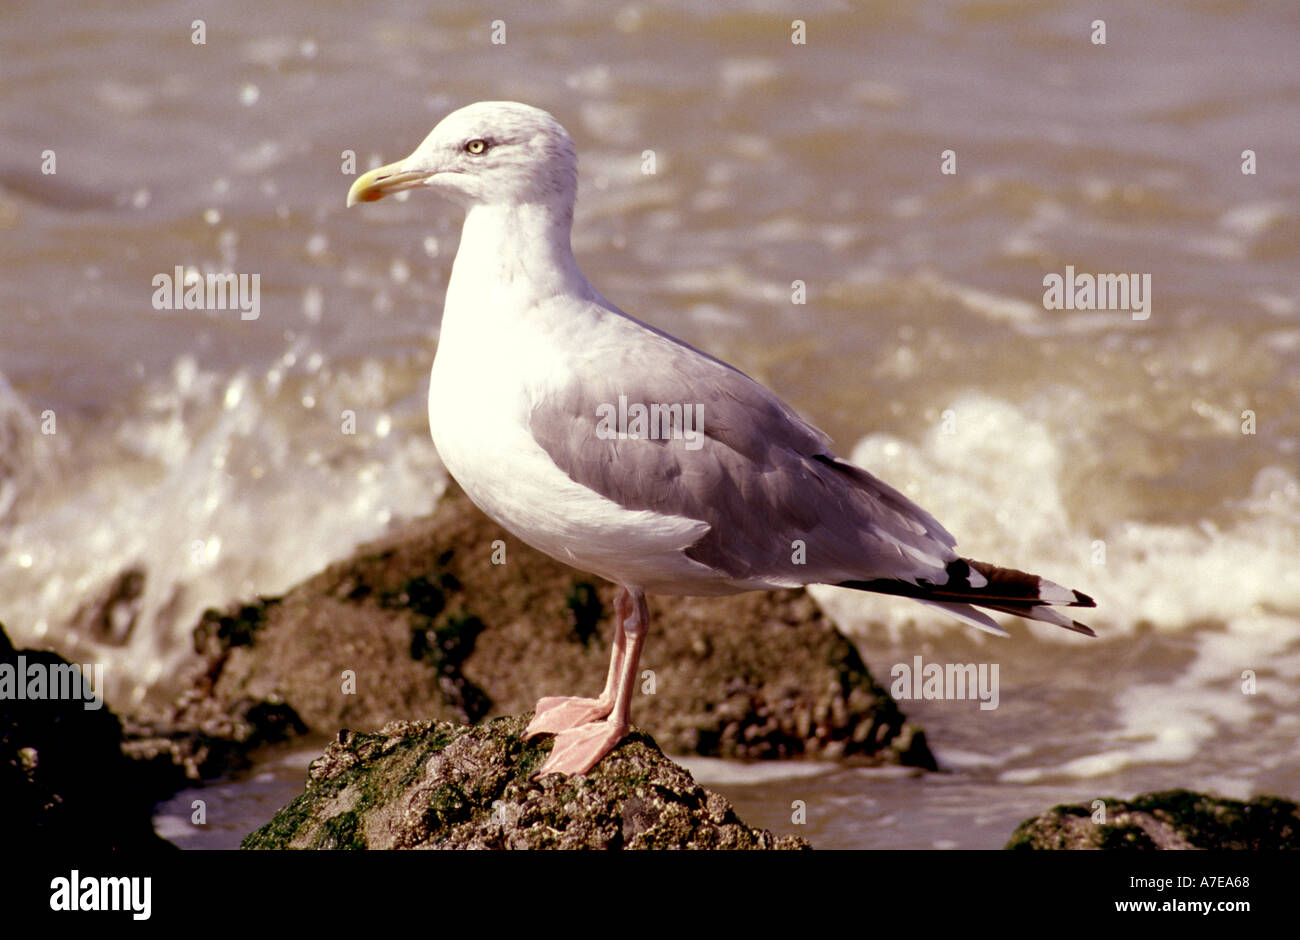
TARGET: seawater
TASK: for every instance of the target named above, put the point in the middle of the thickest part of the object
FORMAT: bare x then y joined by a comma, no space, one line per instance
197,458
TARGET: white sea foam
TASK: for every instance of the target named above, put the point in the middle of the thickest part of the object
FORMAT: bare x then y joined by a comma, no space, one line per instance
201,490
998,484
1233,590
1199,714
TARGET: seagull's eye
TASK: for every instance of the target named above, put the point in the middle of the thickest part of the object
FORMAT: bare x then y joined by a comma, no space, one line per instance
476,146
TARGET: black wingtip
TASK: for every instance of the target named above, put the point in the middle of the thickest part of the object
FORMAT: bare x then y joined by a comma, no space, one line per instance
1082,628
1083,600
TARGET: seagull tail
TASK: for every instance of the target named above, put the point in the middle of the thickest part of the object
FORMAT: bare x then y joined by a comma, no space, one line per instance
974,584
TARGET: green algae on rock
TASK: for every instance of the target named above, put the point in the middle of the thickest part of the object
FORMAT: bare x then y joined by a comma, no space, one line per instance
1170,819
422,784
201,735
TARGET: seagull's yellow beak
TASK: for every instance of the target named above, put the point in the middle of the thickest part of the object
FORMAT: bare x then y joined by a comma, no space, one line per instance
382,182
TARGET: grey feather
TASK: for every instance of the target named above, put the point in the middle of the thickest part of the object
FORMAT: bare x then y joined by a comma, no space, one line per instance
762,477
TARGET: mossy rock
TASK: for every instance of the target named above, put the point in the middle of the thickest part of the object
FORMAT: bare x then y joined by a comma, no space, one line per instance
1170,819
422,784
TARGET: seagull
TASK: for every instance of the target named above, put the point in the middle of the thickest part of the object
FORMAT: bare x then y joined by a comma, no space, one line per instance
622,451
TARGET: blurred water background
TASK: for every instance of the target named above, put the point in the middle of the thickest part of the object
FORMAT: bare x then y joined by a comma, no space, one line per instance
198,457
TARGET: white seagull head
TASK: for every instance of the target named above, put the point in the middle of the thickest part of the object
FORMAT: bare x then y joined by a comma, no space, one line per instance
492,152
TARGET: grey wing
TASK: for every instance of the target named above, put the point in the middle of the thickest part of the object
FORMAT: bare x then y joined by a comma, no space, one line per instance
781,509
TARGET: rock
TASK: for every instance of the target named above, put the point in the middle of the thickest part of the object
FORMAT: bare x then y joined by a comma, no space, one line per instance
201,736
1171,819
63,777
452,618
202,739
425,784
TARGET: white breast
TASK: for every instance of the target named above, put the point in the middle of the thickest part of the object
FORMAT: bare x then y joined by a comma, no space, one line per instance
488,372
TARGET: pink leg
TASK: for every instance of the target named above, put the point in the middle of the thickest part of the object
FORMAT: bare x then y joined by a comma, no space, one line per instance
556,713
579,749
